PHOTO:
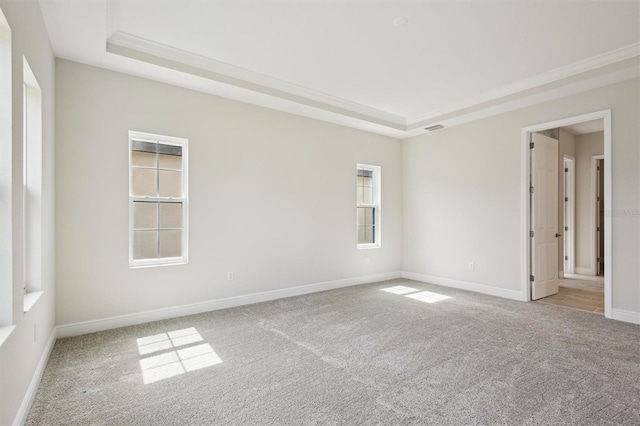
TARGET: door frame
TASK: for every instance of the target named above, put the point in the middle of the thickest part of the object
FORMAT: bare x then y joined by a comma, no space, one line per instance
594,212
569,240
525,204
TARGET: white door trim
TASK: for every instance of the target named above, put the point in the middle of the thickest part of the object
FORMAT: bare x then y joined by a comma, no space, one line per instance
525,202
569,215
594,212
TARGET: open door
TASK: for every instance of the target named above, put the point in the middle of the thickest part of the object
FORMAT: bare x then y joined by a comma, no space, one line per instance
544,216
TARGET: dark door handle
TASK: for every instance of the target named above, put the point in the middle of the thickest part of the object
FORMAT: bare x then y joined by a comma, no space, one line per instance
558,235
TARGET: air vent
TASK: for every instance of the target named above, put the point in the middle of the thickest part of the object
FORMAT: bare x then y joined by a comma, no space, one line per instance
433,128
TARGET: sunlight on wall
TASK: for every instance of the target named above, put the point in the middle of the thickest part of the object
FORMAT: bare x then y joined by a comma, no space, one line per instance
414,293
174,362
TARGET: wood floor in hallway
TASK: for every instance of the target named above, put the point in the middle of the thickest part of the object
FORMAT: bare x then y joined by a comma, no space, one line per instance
584,295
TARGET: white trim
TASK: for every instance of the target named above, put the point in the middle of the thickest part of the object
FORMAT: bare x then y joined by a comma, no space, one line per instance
464,285
6,182
593,269
5,332
377,205
251,87
129,45
93,326
30,299
23,411
569,247
31,180
576,68
525,202
626,316
584,277
618,76
169,140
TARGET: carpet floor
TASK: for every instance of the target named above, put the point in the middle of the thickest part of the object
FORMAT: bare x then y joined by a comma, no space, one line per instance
395,352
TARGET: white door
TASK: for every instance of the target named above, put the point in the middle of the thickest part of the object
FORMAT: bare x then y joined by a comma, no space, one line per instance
544,216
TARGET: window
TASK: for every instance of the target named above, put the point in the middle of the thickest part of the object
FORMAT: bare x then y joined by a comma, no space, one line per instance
31,186
158,201
368,205
6,233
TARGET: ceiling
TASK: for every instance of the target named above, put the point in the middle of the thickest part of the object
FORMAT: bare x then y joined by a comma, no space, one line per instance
585,127
345,61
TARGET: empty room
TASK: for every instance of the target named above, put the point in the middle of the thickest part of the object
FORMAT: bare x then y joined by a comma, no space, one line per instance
288,212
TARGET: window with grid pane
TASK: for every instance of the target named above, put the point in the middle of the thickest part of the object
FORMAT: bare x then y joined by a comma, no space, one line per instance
158,200
368,205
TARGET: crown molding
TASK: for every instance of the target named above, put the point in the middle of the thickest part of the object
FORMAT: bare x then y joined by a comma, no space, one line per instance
548,95
608,58
134,47
274,93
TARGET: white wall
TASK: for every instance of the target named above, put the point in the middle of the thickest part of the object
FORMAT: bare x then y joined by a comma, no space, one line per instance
586,147
20,354
461,194
566,146
272,196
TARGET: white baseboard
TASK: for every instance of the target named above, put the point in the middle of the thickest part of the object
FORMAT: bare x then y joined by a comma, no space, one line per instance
93,326
23,411
464,285
584,277
583,271
626,316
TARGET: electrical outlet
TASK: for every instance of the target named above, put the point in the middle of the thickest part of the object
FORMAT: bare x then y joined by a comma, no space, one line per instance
472,265
230,276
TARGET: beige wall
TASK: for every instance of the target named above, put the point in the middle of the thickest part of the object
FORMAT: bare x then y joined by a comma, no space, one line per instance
462,194
586,147
566,147
20,354
272,196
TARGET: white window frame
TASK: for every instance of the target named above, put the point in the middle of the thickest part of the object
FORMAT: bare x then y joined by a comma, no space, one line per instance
6,192
166,140
376,204
31,187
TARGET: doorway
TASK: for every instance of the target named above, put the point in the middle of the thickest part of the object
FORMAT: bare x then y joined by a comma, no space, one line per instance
553,245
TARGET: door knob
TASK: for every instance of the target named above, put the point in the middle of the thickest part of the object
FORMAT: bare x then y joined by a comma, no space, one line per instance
558,235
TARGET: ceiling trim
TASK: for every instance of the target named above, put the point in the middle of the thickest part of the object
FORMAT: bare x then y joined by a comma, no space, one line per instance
586,65
574,88
134,47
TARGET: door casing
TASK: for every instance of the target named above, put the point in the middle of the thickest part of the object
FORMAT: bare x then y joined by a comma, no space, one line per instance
568,231
525,203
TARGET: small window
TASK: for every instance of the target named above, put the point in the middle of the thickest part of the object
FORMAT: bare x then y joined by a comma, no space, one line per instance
368,206
158,200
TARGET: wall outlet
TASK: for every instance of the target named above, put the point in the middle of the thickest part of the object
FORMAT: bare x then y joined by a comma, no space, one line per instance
472,265
230,276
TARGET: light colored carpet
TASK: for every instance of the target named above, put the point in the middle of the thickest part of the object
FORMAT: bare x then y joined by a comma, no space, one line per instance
352,356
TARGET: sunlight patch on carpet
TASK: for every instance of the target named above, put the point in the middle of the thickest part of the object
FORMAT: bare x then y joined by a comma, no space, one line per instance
428,297
399,289
177,361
